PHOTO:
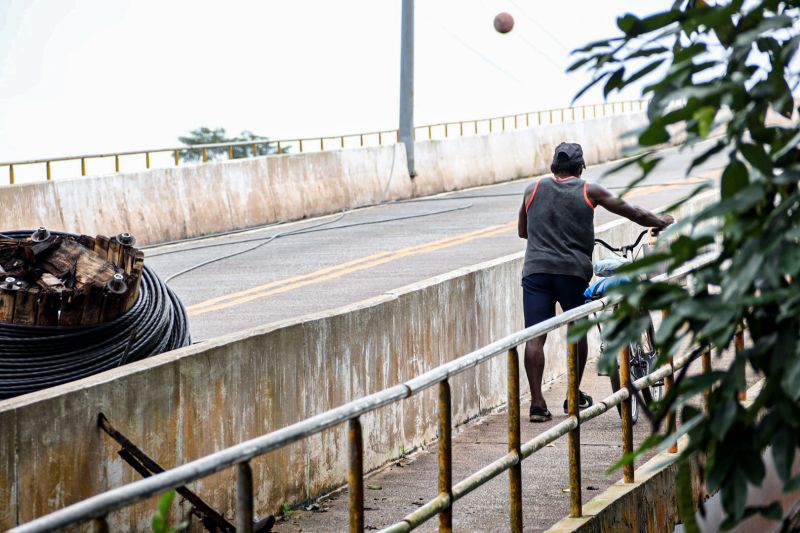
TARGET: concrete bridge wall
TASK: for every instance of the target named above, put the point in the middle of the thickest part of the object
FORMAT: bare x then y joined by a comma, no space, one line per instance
188,403
173,203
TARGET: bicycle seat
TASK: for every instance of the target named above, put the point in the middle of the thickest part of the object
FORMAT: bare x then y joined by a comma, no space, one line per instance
598,289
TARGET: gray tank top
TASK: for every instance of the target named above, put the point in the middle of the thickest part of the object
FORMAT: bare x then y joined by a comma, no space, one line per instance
560,228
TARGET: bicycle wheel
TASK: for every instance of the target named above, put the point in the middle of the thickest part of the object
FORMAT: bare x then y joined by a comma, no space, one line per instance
615,385
643,359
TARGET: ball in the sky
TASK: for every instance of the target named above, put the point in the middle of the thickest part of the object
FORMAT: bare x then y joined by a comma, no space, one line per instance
503,22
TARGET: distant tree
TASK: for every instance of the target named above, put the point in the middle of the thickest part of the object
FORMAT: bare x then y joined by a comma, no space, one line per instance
204,135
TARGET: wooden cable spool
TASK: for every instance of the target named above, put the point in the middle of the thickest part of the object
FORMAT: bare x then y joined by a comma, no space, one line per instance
58,280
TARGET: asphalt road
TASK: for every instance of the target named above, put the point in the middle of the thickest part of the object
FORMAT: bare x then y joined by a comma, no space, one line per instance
345,258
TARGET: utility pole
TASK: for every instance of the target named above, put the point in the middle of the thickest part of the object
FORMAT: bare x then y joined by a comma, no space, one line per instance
406,131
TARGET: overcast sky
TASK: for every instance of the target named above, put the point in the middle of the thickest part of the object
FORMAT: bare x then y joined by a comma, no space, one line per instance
82,76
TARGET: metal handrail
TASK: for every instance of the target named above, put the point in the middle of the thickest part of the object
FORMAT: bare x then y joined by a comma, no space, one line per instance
98,506
284,146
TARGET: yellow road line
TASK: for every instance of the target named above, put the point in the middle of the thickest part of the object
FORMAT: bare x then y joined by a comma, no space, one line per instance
342,269
336,271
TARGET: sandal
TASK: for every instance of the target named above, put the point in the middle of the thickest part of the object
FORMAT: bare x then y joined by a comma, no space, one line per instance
584,401
539,414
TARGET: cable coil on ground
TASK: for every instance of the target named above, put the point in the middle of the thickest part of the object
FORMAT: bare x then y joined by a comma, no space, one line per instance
36,357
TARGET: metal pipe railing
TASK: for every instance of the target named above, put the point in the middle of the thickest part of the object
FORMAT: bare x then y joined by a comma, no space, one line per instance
97,507
285,145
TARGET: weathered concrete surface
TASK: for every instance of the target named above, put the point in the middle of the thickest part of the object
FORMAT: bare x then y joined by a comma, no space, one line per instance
186,201
185,404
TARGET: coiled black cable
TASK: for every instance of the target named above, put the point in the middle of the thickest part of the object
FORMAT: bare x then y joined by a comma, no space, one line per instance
37,357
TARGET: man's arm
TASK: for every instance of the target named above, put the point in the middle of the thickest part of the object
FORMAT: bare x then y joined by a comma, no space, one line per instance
599,195
522,223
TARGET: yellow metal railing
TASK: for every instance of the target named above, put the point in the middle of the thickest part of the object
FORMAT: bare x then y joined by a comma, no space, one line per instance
97,507
143,159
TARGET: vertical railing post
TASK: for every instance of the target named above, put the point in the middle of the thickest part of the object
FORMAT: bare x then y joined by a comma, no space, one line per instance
626,411
177,158
11,174
574,437
706,360
514,442
147,159
445,456
527,120
539,118
341,142
562,115
244,498
490,125
551,116
205,155
255,150
738,343
230,151
669,383
355,476
300,141
83,166
100,525
116,163
49,172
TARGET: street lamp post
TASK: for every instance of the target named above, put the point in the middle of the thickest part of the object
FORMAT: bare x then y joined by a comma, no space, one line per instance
406,130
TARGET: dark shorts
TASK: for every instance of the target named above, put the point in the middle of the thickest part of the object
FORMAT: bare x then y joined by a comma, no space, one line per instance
540,292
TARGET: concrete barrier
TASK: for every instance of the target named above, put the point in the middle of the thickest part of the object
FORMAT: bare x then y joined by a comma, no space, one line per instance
188,403
166,204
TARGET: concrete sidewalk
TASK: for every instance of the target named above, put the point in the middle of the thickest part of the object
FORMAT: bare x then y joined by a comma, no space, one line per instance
405,485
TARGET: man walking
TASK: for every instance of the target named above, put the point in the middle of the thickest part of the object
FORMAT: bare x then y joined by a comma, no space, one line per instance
557,219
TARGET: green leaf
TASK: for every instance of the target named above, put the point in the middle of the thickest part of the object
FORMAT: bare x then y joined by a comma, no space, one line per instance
614,82
654,134
722,419
597,79
734,178
734,494
792,485
161,516
756,156
783,448
627,23
753,467
647,52
644,71
705,118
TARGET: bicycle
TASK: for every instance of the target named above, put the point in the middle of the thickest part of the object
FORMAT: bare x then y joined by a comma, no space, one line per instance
643,354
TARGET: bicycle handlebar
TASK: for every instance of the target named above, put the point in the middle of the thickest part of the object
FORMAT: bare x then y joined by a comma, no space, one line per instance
626,248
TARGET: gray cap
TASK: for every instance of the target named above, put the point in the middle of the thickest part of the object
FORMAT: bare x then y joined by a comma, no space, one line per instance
569,153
